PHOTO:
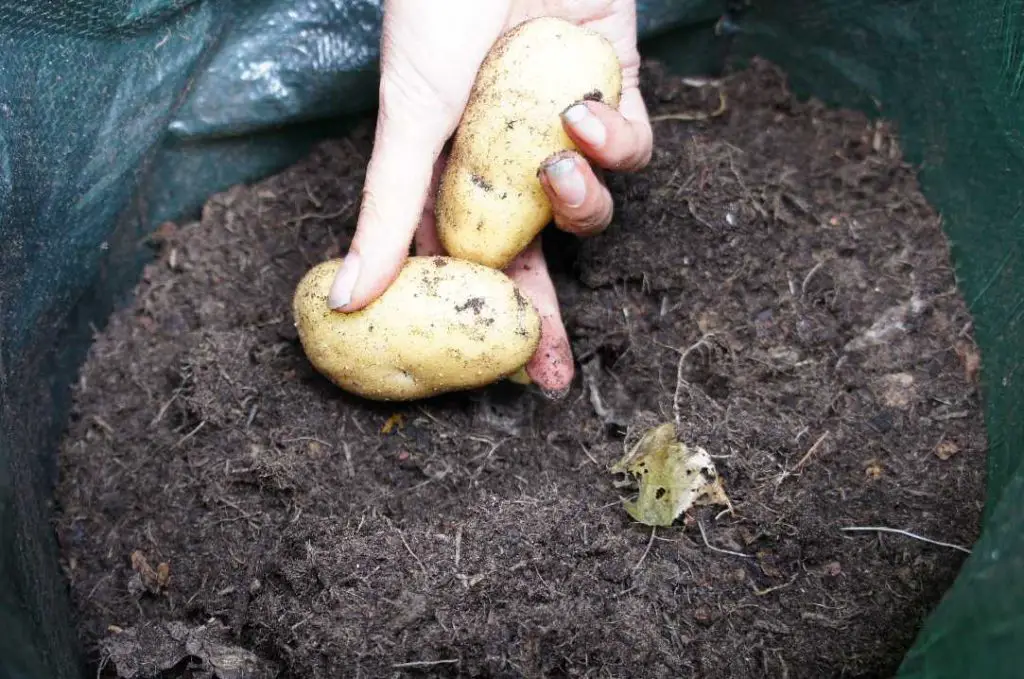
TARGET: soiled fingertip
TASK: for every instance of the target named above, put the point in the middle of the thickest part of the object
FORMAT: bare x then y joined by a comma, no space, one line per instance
556,394
551,368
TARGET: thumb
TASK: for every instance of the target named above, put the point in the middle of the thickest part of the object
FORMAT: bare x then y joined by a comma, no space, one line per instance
407,144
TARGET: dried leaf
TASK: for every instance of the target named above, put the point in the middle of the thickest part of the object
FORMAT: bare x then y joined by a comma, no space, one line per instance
873,469
971,360
146,579
396,420
672,477
163,574
946,450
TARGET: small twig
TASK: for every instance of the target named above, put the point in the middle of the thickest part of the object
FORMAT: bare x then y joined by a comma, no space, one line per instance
905,533
348,459
316,215
458,547
409,549
697,115
419,485
680,380
810,274
102,424
624,592
432,418
654,530
313,439
425,663
487,458
317,203
163,409
189,435
252,415
957,415
707,544
587,453
234,505
803,460
810,451
302,622
95,587
728,510
590,370
769,590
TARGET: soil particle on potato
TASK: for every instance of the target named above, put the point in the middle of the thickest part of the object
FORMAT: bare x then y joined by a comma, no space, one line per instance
774,283
474,304
482,183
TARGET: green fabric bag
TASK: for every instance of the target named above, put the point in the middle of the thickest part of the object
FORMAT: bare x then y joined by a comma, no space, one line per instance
116,115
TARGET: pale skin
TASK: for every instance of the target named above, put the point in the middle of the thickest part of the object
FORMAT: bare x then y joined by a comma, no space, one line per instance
430,54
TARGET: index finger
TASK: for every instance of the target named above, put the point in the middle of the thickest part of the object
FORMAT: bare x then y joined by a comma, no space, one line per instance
620,139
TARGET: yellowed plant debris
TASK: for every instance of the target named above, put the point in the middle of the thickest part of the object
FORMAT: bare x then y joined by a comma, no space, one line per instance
671,477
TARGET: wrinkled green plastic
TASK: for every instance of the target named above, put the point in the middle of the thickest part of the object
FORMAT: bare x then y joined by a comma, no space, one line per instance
118,114
951,74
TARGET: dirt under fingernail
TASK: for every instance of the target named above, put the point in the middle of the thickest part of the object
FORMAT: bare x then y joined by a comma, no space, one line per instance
557,394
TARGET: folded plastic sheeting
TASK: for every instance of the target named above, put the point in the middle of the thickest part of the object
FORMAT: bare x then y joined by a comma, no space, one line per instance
952,75
118,114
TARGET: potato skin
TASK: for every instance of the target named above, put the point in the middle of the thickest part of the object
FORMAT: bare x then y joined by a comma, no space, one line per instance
443,325
490,202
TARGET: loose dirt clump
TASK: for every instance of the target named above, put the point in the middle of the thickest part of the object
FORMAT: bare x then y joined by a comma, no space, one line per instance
774,283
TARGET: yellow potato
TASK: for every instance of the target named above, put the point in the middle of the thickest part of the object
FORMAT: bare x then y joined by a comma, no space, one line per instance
443,325
490,202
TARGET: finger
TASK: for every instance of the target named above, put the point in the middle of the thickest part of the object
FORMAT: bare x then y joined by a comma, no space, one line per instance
397,180
551,367
426,242
424,84
620,139
580,201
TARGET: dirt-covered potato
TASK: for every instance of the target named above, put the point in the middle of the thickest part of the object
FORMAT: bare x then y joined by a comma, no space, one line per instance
443,325
490,203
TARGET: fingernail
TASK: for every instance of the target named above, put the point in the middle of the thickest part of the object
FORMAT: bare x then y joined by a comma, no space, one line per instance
556,394
344,282
585,124
567,181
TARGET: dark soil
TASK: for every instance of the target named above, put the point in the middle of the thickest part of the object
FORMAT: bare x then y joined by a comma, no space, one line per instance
774,283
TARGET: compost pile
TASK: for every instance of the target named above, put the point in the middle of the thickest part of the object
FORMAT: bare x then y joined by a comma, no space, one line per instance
774,283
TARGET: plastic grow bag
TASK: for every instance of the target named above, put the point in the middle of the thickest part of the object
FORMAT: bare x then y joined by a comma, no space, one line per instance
118,114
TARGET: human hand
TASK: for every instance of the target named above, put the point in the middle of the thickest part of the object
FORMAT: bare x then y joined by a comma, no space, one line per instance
430,55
